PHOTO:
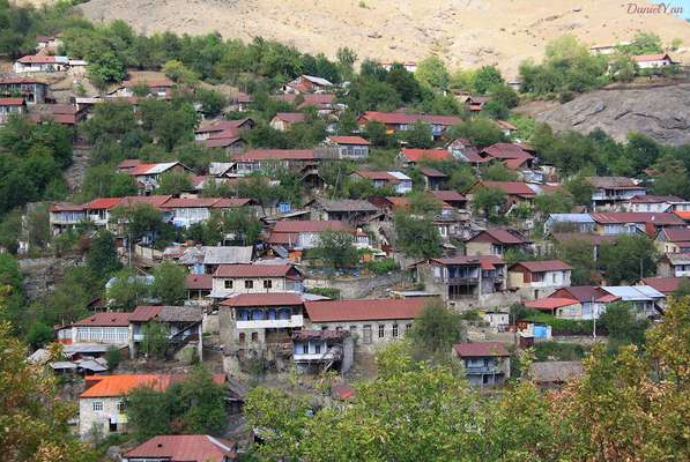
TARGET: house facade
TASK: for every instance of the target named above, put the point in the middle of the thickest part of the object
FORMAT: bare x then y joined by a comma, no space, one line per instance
229,280
495,242
613,191
486,364
536,279
349,147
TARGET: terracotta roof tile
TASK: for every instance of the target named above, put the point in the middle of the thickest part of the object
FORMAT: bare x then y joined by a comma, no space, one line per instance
252,271
418,155
480,349
108,319
185,448
267,299
364,309
541,266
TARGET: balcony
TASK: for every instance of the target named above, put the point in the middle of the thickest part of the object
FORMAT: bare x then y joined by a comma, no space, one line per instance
482,370
294,321
328,356
459,280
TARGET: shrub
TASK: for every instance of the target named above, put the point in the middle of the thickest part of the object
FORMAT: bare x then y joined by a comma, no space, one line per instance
544,351
382,266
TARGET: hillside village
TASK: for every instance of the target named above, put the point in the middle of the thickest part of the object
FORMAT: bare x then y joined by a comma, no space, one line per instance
214,249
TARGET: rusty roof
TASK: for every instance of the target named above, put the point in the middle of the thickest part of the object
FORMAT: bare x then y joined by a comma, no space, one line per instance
185,448
106,386
364,309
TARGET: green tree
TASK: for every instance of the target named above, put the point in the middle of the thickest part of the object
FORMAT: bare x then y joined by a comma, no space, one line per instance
497,171
113,357
419,135
149,413
623,327
174,183
436,331
178,72
375,132
488,201
202,402
127,290
156,339
644,43
628,259
101,258
336,249
579,253
486,78
168,285
672,177
212,101
35,419
243,225
417,237
557,202
432,72
623,68
39,335
480,131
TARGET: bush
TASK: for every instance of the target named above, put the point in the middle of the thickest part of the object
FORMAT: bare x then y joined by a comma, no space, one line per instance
562,326
329,292
545,351
382,266
113,357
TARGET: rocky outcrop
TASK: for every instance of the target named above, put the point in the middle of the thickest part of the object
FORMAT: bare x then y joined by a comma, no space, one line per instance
661,112
41,275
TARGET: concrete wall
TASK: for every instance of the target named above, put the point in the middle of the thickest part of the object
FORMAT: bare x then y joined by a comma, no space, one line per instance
88,418
361,287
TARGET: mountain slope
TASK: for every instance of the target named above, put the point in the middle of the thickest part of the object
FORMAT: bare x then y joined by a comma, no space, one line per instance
662,113
463,32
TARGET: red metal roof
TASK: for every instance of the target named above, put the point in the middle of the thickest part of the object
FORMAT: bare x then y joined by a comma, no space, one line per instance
541,266
657,57
156,201
38,59
290,117
185,448
400,118
310,226
11,101
21,80
106,320
502,236
550,304
267,299
506,151
66,207
487,262
418,155
377,175
121,384
581,293
190,203
665,285
449,196
364,309
252,271
677,234
358,140
198,282
480,349
512,188
144,313
275,154
103,203
432,173
637,217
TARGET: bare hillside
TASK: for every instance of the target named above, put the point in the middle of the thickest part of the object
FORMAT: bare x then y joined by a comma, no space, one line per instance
463,32
662,113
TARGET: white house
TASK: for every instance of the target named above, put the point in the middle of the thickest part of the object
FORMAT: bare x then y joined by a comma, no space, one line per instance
653,61
536,279
230,280
40,63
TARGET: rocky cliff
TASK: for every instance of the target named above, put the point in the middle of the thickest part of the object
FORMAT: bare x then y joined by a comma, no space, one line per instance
662,113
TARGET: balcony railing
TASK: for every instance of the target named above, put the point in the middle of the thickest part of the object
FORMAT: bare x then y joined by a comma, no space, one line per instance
482,370
294,321
459,280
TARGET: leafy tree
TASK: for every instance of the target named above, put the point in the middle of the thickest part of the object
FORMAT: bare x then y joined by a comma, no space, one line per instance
156,339
644,43
504,95
104,181
496,110
127,290
375,132
432,72
580,255
419,135
212,101
417,237
425,203
245,226
436,330
101,258
480,131
149,413
628,259
672,177
486,78
580,189
404,82
623,326
642,150
336,248
168,285
488,201
683,289
113,357
558,202
497,171
178,72
39,335
202,402
623,68
35,419
174,183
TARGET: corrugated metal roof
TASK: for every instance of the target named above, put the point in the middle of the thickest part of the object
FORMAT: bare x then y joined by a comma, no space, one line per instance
632,293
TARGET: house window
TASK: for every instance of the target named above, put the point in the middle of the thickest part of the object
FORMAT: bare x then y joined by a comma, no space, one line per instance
395,330
121,407
228,284
112,427
353,329
249,284
324,327
554,278
382,330
243,337
366,338
255,337
408,327
268,284
97,406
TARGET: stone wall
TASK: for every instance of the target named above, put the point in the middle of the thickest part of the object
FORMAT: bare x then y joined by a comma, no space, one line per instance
41,275
361,287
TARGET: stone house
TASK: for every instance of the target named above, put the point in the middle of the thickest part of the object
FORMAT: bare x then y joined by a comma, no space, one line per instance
536,279
486,364
496,242
257,278
349,147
